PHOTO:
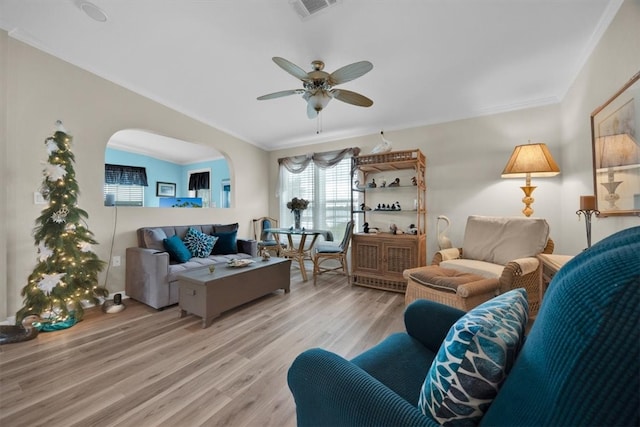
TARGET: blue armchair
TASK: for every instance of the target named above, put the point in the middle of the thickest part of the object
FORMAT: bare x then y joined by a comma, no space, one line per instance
579,365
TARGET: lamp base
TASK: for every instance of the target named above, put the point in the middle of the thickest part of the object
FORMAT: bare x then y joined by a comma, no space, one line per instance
528,200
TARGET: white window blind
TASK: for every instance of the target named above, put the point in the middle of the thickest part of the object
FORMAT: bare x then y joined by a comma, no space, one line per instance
328,192
124,195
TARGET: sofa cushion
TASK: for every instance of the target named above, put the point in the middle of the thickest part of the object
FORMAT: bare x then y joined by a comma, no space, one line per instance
198,243
502,239
227,243
224,228
177,249
153,238
474,360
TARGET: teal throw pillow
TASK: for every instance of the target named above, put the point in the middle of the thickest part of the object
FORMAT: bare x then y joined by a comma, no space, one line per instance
198,243
474,360
177,249
227,243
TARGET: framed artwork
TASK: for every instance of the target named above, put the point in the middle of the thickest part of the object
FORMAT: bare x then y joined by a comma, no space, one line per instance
615,129
165,189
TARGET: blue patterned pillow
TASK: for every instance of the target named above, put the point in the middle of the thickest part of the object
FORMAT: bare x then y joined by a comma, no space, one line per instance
198,243
474,360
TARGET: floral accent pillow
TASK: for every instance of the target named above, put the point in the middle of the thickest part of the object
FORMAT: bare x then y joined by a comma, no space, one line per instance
199,244
474,360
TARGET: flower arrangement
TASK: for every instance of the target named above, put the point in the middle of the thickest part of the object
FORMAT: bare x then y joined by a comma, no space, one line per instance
297,204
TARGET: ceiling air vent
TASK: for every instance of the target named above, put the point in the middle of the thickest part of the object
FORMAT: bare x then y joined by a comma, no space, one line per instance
306,8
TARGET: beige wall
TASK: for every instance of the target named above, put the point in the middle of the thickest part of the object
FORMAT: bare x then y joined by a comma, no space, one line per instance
42,89
464,161
614,61
465,157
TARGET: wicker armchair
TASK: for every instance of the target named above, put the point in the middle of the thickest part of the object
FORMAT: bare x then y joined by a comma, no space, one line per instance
498,254
267,240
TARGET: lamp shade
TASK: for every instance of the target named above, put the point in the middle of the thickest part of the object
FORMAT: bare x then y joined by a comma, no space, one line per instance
616,150
533,160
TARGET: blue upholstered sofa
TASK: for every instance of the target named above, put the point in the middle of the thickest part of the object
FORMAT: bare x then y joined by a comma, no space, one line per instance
579,365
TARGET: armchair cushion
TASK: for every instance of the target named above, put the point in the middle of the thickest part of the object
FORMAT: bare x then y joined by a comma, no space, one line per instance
487,270
474,360
442,278
499,240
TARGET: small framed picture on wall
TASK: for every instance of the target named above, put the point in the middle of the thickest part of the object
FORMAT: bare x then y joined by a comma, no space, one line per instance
165,189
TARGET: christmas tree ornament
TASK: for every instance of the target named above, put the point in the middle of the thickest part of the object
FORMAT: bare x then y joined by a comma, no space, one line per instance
66,273
60,216
43,252
52,146
54,172
49,281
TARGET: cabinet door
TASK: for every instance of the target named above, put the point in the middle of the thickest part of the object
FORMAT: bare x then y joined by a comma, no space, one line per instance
399,256
367,255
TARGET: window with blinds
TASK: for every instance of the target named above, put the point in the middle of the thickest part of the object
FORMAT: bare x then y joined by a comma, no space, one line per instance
328,192
123,195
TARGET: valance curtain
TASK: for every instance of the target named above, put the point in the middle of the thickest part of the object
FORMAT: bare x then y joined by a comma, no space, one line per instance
298,164
125,175
199,181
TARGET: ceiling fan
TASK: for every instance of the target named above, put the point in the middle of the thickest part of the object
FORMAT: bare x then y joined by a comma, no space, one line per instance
318,84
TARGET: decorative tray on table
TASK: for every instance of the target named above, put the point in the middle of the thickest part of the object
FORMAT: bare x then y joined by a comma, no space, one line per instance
239,263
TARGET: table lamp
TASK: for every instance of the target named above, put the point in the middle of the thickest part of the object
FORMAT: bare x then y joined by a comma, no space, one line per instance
526,161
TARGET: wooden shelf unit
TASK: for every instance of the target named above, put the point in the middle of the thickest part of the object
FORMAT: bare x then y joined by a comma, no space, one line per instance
379,259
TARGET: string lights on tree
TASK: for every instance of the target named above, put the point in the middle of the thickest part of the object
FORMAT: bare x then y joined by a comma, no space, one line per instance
66,274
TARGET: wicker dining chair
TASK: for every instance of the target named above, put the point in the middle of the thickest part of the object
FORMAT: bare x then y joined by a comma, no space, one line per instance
265,239
330,251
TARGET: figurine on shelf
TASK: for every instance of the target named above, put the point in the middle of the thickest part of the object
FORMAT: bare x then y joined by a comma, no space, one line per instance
395,183
393,207
367,229
364,207
393,228
398,205
373,184
414,181
412,229
384,183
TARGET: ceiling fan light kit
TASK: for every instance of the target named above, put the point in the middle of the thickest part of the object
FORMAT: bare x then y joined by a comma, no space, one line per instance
318,85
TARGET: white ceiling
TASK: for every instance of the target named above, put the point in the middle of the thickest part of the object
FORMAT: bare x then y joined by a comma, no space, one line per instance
433,60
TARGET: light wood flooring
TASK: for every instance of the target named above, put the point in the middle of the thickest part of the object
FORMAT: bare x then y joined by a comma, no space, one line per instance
143,367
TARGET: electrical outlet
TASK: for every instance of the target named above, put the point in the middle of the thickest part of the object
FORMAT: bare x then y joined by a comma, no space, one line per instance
115,261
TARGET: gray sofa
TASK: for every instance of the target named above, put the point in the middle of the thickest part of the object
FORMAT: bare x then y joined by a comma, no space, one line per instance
151,277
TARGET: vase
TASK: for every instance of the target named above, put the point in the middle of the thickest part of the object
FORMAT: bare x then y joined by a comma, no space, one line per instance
296,218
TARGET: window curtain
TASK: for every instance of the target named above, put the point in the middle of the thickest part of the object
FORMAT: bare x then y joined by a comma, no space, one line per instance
199,181
125,175
297,164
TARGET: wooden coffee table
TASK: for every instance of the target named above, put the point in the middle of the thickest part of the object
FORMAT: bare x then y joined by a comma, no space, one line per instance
207,294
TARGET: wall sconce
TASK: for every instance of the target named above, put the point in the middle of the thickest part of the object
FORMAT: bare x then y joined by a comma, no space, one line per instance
530,160
615,153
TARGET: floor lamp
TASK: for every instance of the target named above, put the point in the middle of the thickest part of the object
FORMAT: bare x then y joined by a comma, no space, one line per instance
526,161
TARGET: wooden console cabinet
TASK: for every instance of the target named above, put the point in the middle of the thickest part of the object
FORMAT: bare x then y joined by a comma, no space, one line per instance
380,257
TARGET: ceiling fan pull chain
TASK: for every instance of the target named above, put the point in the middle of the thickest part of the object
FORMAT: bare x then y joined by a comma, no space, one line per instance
319,123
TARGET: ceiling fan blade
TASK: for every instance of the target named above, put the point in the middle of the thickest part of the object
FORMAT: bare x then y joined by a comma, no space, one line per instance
351,97
350,72
291,68
281,94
